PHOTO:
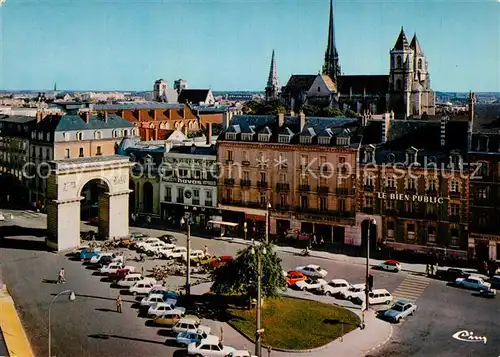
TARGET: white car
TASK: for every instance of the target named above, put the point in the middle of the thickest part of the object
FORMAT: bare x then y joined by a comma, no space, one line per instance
354,292
241,353
335,287
141,287
176,253
96,258
147,241
164,249
312,270
209,347
473,282
310,284
189,325
131,279
194,254
162,308
113,267
152,300
376,296
390,265
153,248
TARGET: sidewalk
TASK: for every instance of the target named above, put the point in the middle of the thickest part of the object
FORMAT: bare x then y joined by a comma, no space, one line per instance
12,329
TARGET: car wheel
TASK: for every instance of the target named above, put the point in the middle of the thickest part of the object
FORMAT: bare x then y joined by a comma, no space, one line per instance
398,320
388,302
303,289
134,293
349,298
198,264
327,293
198,356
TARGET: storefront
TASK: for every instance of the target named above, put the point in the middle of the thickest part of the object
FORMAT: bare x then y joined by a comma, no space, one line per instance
484,246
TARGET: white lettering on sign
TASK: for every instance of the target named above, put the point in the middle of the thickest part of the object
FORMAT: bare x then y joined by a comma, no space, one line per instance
468,336
407,197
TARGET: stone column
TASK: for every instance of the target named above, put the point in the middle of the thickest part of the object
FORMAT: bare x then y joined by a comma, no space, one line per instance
118,213
63,224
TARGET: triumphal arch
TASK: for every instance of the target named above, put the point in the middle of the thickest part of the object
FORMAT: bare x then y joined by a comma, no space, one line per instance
66,179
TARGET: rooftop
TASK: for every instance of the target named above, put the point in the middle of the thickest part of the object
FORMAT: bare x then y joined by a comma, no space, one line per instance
136,105
72,122
19,119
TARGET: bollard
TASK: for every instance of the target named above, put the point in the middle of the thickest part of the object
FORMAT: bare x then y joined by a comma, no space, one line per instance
269,351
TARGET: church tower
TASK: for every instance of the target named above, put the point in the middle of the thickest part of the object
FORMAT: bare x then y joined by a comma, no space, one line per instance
331,67
401,76
272,87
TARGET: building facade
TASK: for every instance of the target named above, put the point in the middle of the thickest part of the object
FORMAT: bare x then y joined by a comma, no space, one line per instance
297,171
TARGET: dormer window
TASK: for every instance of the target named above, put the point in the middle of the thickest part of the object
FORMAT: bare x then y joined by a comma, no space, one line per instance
323,140
455,161
369,155
230,136
284,139
411,156
343,141
247,137
305,139
40,136
264,137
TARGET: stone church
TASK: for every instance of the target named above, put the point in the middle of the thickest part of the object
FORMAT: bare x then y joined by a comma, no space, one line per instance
406,90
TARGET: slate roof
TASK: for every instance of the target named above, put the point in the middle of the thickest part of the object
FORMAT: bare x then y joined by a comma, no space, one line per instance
194,150
415,45
300,82
313,127
18,119
72,122
487,118
401,43
194,96
136,105
373,84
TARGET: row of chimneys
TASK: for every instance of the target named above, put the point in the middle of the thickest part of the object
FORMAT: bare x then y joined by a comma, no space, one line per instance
302,120
85,115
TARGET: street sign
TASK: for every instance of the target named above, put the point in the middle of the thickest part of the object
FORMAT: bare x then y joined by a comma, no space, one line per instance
261,330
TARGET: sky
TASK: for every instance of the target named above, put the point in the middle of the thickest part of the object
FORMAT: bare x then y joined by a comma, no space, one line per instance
227,45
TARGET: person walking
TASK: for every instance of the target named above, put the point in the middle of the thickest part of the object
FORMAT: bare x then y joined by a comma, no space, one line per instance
205,251
61,278
119,303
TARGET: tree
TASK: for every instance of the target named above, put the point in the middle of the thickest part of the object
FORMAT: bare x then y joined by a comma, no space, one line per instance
239,276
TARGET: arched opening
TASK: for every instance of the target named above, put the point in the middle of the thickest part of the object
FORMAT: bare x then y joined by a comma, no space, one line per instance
420,63
364,236
131,198
147,197
92,192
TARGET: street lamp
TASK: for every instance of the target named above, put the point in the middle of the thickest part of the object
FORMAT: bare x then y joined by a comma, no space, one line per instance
258,330
71,297
188,255
367,276
268,218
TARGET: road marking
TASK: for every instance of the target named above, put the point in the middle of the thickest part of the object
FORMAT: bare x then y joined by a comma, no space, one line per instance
411,288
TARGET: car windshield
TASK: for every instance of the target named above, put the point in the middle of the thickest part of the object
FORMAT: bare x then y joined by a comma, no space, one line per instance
397,307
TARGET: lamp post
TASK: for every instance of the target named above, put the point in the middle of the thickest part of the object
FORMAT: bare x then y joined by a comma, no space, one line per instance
268,218
367,276
71,297
258,312
188,255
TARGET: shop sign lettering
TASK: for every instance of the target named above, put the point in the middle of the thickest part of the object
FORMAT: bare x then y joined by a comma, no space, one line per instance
412,198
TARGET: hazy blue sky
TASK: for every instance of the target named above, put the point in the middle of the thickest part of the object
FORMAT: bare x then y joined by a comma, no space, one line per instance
227,45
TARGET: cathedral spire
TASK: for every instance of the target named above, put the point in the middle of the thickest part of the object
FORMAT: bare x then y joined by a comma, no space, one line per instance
272,87
331,66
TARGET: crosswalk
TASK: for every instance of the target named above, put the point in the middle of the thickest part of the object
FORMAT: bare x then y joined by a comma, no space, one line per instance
411,288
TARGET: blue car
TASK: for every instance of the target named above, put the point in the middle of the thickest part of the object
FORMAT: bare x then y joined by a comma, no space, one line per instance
86,254
185,338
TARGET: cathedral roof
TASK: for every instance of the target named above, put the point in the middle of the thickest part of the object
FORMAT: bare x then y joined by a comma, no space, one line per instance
415,45
371,84
299,82
329,83
401,42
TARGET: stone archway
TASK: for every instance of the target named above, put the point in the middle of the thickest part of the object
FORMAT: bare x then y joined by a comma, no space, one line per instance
66,180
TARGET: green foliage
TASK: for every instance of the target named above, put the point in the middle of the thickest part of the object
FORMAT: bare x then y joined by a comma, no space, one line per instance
314,111
240,275
261,107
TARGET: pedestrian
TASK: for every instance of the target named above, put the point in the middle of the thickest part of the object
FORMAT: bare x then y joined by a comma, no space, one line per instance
119,303
221,333
205,251
321,241
314,242
61,278
427,269
142,270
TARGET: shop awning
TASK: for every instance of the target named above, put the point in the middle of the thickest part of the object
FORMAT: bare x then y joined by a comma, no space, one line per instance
222,223
255,217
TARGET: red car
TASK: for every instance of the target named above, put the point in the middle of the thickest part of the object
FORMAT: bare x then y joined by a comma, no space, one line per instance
221,261
293,277
119,275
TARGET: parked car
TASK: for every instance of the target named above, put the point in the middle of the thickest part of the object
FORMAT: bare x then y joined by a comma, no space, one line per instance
132,242
185,338
390,265
205,260
155,248
472,282
168,320
334,287
312,271
221,261
162,308
150,240
490,293
151,300
354,292
84,251
141,287
131,279
194,254
168,238
176,253
96,258
310,284
209,347
119,274
376,296
138,235
292,277
495,282
88,254
451,274
113,267
162,251
241,353
188,324
400,310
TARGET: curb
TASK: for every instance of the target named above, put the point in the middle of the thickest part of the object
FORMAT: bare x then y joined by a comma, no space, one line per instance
382,343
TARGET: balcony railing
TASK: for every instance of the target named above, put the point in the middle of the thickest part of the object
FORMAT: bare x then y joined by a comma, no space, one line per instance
282,187
283,207
245,163
245,183
368,188
229,181
454,194
229,161
323,189
431,193
208,203
240,203
196,202
343,191
390,189
332,213
262,184
304,188
411,191
180,199
167,198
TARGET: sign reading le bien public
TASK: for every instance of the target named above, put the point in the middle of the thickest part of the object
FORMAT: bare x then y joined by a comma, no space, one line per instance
411,198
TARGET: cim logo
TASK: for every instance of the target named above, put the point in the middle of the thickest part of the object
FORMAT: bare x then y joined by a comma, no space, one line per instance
468,336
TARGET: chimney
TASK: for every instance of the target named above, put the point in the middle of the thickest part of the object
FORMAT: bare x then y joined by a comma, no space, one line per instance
302,118
386,125
442,135
471,105
209,134
105,117
185,129
86,116
281,120
39,116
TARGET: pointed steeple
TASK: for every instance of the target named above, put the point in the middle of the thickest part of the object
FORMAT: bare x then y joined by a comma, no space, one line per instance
272,87
415,45
401,43
331,67
55,86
